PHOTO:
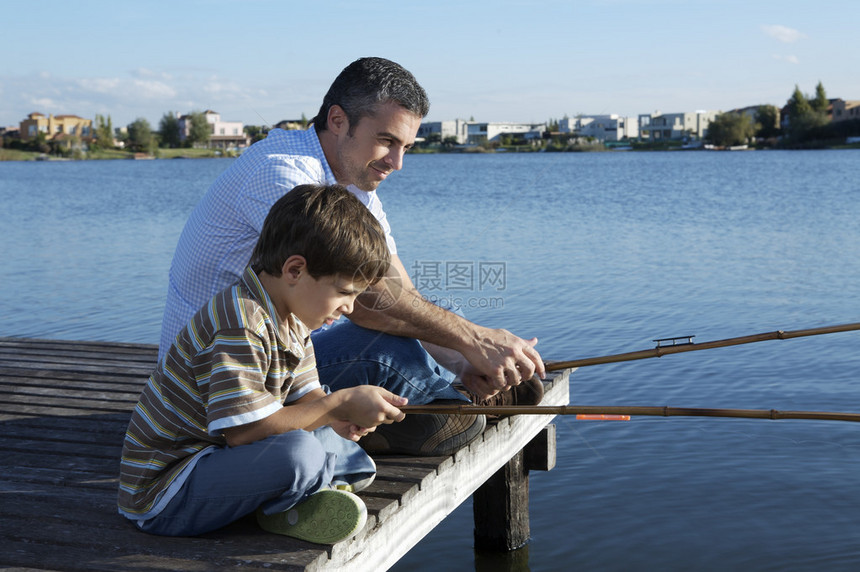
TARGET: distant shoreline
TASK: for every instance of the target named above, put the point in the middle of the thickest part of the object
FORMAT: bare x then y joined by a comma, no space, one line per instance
116,154
112,154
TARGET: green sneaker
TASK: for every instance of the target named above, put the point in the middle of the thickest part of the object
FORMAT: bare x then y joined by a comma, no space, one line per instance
325,517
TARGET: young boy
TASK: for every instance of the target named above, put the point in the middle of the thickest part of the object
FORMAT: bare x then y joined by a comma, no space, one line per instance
234,418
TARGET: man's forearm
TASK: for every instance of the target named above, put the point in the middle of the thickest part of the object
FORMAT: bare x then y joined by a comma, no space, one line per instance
394,306
404,312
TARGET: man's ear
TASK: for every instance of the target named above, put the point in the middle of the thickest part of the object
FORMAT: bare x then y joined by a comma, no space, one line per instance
337,120
293,268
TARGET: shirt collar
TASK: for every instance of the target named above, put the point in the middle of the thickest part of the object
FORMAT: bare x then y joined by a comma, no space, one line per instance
293,334
314,142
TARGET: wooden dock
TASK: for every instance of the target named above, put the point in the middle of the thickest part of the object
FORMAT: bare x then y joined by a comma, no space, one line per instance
64,407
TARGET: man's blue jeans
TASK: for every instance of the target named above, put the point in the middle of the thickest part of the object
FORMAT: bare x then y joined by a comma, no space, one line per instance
348,355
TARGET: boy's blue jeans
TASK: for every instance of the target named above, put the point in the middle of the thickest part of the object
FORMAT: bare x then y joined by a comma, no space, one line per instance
280,471
274,474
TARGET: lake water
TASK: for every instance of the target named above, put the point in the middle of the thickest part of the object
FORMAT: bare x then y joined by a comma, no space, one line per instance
594,254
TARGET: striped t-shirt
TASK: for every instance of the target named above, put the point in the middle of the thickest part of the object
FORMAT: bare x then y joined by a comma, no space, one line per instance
234,363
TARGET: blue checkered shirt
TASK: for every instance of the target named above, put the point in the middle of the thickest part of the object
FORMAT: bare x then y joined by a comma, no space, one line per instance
219,236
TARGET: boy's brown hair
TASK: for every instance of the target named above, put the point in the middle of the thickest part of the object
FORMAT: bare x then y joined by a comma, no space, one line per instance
330,228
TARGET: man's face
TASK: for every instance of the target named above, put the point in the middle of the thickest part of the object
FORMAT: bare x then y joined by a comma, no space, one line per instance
375,147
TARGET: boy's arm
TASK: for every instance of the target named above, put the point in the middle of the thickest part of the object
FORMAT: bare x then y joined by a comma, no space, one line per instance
364,406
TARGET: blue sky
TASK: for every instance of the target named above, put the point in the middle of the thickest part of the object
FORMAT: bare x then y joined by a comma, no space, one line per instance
261,61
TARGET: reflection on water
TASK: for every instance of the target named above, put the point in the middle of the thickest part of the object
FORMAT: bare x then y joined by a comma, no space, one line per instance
594,254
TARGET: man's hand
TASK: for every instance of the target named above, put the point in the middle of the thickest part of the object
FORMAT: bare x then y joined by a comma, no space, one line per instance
477,384
504,359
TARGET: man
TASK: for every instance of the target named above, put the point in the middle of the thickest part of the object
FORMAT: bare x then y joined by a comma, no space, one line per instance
368,120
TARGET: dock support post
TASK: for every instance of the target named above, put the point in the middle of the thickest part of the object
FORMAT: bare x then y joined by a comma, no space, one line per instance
501,505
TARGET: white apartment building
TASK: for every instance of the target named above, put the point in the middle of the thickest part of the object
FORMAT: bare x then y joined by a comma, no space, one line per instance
601,127
455,128
675,125
478,133
223,134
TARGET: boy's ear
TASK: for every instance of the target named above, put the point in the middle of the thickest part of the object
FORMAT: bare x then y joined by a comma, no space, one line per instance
337,121
293,268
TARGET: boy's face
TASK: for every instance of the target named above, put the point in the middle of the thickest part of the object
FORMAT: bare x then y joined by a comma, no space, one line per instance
322,301
375,147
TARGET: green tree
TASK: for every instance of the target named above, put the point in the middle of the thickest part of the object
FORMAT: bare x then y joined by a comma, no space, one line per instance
168,128
803,118
199,130
40,143
140,137
820,103
304,121
798,105
103,132
730,129
255,132
767,121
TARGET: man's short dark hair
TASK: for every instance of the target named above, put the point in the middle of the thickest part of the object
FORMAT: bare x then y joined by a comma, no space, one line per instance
330,228
367,82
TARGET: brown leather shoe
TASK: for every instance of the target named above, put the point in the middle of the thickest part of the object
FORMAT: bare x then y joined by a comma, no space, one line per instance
425,434
529,392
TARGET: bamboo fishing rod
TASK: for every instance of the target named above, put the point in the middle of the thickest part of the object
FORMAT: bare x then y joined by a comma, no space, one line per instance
678,346
623,411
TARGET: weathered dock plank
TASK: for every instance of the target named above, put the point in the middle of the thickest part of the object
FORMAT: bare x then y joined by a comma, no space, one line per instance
64,407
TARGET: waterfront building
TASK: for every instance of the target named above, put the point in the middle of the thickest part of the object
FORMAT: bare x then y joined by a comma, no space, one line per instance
488,132
291,124
61,128
690,125
751,112
845,110
600,127
222,134
477,133
456,128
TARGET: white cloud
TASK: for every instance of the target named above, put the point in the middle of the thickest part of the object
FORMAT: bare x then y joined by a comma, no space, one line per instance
99,85
148,73
149,94
783,33
789,59
215,87
44,102
151,89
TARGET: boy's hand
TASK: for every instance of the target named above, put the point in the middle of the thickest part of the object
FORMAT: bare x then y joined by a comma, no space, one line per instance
351,412
350,431
363,408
